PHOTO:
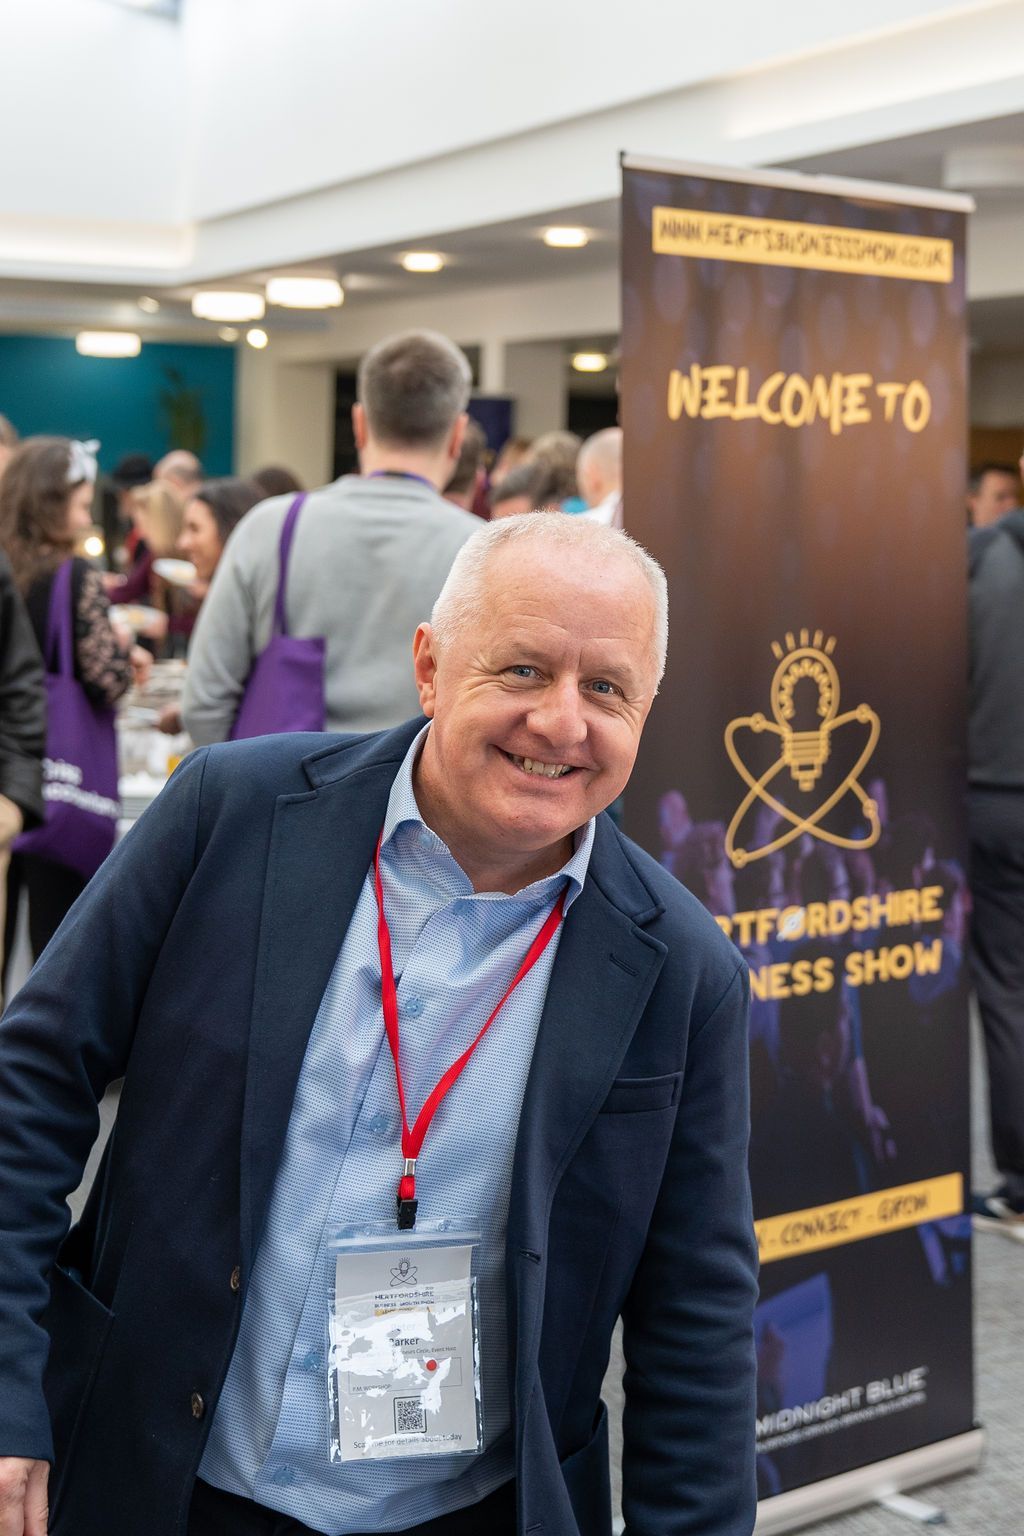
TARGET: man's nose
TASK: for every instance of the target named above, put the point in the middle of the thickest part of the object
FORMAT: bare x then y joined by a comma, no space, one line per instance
558,715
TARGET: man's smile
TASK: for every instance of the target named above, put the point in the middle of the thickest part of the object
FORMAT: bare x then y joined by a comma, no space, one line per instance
532,765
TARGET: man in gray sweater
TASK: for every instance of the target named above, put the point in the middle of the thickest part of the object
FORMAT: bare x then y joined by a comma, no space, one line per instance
996,816
369,556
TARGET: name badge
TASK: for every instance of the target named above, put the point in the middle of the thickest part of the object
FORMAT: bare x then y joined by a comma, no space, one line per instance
404,1343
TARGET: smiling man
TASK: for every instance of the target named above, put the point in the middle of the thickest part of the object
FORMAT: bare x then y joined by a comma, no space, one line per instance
369,995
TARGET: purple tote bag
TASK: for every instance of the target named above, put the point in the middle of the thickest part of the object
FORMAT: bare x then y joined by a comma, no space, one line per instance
285,689
80,767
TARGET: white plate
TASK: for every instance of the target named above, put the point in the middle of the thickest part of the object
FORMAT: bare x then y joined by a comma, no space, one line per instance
180,573
136,615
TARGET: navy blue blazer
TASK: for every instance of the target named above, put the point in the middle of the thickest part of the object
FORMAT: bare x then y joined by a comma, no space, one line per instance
194,966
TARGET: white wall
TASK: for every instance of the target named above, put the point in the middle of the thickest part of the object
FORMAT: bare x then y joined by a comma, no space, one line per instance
535,378
997,391
284,414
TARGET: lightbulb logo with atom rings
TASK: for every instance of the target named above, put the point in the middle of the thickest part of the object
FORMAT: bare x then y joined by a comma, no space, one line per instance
804,700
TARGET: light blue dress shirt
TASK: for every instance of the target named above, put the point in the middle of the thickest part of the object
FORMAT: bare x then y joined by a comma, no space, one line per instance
454,953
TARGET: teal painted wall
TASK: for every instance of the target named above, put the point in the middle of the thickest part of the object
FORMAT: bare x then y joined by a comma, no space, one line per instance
46,387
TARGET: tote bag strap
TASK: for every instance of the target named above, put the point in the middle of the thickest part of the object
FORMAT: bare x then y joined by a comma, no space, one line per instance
60,624
284,551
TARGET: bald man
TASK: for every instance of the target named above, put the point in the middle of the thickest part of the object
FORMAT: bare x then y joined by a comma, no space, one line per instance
182,469
599,473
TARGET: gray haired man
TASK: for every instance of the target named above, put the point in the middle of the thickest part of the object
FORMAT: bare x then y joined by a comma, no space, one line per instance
369,557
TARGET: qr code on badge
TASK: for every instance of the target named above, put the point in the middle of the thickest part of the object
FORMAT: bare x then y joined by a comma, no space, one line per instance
410,1418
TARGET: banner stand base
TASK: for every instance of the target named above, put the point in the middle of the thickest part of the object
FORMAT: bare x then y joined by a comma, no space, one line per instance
867,1485
912,1509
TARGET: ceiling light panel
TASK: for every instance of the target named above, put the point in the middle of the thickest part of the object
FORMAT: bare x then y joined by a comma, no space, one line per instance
108,344
566,237
590,362
305,292
423,261
228,308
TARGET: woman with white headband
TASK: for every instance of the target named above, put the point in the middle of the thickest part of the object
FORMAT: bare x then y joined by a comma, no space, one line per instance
46,495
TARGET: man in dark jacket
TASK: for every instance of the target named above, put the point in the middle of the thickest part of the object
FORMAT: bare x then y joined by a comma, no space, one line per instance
996,820
247,959
22,725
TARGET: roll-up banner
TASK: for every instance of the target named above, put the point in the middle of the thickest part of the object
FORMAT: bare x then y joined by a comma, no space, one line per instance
793,400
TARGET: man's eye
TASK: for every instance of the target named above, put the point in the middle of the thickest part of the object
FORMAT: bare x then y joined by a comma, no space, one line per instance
603,686
521,670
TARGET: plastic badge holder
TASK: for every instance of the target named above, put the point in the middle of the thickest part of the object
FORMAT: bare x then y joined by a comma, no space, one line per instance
403,1356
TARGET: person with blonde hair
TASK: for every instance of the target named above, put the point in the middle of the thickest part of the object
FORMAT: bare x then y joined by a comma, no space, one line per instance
158,508
156,511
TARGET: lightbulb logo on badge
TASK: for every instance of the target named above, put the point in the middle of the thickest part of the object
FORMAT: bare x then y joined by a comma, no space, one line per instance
802,768
404,1272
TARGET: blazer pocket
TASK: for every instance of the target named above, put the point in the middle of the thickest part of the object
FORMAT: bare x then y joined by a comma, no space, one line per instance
636,1095
588,1479
78,1326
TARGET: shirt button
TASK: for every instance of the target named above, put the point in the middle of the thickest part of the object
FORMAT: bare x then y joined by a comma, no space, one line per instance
283,1477
236,1279
412,1007
198,1406
313,1361
378,1124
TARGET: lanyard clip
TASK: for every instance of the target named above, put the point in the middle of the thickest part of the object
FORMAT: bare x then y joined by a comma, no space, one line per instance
406,1199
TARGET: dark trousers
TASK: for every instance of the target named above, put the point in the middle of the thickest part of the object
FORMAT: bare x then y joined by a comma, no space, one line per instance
214,1513
996,821
52,890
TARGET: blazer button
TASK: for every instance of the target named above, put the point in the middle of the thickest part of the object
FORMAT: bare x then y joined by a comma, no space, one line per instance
198,1406
236,1279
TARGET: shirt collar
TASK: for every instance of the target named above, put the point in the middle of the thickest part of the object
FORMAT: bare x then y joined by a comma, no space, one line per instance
407,837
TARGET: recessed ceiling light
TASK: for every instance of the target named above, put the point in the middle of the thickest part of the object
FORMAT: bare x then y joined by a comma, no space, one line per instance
566,237
229,333
423,261
305,292
108,344
149,306
590,362
228,307
257,338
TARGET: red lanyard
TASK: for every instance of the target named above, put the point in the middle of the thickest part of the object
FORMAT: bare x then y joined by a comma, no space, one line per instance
412,1140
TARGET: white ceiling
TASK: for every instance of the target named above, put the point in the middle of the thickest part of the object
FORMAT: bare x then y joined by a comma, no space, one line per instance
848,105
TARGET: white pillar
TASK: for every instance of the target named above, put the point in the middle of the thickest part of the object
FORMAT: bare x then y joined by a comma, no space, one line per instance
492,366
535,377
284,414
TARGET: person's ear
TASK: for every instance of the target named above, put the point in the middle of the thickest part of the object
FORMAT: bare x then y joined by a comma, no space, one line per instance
457,437
359,426
424,660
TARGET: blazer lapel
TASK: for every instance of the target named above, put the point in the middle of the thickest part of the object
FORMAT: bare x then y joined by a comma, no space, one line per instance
320,850
602,977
